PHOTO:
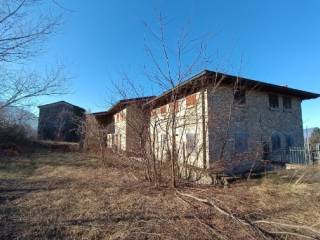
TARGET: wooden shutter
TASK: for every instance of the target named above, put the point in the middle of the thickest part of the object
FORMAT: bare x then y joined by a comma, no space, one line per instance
191,100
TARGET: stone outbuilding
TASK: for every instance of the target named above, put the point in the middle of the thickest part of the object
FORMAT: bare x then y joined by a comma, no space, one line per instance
125,123
60,121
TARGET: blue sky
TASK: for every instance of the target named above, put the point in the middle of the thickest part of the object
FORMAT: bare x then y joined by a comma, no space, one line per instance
273,41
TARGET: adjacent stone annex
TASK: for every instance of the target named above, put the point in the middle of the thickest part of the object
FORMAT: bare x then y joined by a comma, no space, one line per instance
60,121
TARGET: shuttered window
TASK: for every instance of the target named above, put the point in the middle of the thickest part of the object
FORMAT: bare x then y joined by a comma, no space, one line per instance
190,142
163,140
154,112
289,141
163,109
276,142
240,96
191,100
241,142
287,103
174,106
273,101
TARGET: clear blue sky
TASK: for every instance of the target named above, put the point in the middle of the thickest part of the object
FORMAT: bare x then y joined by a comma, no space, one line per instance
278,42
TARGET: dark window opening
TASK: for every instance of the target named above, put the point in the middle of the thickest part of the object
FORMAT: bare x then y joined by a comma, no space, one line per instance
276,142
289,142
287,103
273,101
266,151
240,96
190,142
241,142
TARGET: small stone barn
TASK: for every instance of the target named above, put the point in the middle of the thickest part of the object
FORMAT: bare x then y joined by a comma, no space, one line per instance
227,122
60,121
124,122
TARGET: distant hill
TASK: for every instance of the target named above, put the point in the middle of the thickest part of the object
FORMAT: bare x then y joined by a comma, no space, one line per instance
19,115
307,132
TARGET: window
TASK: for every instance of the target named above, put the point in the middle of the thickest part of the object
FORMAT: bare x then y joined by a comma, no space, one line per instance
289,141
174,106
191,100
122,116
273,101
163,109
154,113
190,142
287,103
163,140
241,142
240,96
276,142
266,151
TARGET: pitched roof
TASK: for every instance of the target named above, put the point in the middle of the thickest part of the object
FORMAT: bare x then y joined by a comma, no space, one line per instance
207,77
122,104
61,103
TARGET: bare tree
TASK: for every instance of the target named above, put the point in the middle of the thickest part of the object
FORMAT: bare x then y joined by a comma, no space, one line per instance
179,126
169,70
23,32
94,136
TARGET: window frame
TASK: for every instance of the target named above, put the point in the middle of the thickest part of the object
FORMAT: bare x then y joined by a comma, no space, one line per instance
174,106
191,100
286,99
240,96
163,110
289,141
276,147
190,146
153,112
241,147
270,95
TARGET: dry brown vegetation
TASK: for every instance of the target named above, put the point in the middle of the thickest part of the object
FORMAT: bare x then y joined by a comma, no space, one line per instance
51,195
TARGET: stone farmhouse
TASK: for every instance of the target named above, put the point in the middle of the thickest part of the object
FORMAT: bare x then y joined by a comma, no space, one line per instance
222,119
123,123
218,119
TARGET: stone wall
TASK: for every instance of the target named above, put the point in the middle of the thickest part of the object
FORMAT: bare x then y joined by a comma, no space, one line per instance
60,122
254,120
120,130
191,130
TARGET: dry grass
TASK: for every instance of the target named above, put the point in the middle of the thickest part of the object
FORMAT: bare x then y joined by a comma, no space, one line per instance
70,196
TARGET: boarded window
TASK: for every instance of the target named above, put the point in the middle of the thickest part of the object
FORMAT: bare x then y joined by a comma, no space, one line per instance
122,116
153,113
273,101
241,142
190,142
174,106
240,96
163,109
287,103
191,100
276,142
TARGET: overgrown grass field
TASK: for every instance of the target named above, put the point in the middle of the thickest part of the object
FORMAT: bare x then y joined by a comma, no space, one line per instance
50,195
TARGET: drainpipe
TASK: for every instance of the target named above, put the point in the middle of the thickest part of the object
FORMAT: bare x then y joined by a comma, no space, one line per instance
204,135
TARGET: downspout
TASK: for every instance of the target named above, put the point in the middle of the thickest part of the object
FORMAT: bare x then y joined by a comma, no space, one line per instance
204,135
